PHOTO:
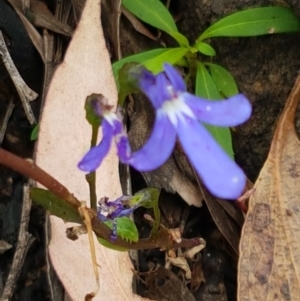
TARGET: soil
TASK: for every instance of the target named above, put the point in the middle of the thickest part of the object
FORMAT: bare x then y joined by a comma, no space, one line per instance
265,69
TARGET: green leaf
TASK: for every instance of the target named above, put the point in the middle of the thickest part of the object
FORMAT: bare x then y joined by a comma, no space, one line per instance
180,38
55,205
205,49
223,80
152,60
127,83
126,229
171,56
206,88
35,132
148,198
137,58
254,22
152,12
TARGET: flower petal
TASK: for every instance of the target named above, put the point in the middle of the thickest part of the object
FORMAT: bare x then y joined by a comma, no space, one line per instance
158,148
95,155
121,138
148,84
220,174
123,147
230,112
120,212
175,78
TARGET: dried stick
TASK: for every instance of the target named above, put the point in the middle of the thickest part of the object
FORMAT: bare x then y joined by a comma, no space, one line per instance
25,93
32,171
25,240
161,239
6,119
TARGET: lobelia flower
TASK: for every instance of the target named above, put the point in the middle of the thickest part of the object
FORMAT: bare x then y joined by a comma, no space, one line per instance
112,128
179,115
115,209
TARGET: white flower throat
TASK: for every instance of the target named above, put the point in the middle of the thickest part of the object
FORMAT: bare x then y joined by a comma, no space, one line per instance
175,108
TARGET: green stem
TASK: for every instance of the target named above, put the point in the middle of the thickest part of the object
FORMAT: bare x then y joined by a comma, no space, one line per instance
91,177
192,63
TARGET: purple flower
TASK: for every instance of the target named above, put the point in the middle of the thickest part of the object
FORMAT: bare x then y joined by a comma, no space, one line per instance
112,128
114,209
179,115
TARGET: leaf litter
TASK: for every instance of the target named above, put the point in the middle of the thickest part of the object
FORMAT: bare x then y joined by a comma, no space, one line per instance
63,138
269,264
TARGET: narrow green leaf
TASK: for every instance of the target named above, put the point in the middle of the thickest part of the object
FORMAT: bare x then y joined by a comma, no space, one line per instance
152,12
183,62
254,22
137,58
205,49
223,80
128,84
55,205
171,56
206,88
126,229
35,132
180,38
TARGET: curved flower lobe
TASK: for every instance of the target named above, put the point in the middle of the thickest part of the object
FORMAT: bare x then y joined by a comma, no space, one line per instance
220,174
158,148
95,155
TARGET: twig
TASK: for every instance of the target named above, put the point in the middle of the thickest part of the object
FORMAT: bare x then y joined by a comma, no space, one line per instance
32,171
87,220
138,25
25,93
161,239
6,119
25,240
116,15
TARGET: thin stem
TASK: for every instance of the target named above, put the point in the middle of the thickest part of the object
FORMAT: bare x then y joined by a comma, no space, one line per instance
160,240
91,177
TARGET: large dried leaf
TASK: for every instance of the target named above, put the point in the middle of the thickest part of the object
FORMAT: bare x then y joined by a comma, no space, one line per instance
269,265
63,139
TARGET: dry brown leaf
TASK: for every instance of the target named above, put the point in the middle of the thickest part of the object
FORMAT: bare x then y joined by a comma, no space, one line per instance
227,225
63,139
138,25
164,285
41,16
34,35
269,265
